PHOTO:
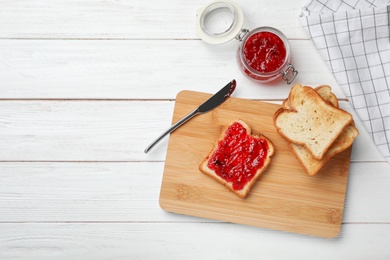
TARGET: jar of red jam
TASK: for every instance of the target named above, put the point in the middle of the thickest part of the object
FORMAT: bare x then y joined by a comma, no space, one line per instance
264,53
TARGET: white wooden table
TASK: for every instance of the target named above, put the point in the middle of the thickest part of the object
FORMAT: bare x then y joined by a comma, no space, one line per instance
86,85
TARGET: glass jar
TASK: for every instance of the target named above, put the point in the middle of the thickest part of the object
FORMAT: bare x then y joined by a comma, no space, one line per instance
264,53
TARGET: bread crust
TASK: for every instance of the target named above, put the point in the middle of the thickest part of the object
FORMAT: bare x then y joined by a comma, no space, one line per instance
243,192
310,121
327,95
313,165
344,140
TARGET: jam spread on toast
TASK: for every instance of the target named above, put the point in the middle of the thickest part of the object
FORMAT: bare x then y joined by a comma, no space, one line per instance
238,156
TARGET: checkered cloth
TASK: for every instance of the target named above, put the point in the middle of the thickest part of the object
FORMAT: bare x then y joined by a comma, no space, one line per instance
353,38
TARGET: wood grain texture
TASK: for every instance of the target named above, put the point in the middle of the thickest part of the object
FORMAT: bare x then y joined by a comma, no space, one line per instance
85,86
86,130
283,198
131,19
129,191
136,69
80,130
183,240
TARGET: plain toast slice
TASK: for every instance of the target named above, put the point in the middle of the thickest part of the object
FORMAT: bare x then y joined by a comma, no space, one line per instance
311,121
312,165
326,93
345,139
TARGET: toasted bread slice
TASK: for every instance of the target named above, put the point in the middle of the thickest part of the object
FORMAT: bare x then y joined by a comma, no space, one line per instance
326,93
312,165
345,139
238,158
311,121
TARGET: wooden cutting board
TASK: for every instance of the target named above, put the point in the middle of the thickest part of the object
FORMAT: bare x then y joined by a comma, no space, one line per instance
283,198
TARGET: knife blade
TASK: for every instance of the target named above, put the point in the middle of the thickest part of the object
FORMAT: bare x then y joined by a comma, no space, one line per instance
213,102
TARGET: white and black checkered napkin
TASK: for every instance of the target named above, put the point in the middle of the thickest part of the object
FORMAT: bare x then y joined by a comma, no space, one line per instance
353,38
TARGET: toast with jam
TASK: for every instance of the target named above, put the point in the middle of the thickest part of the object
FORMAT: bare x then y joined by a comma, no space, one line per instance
238,158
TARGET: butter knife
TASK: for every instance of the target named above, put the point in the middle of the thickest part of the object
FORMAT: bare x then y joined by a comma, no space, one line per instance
214,101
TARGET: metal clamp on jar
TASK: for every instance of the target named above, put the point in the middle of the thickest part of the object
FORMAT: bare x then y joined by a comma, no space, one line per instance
264,53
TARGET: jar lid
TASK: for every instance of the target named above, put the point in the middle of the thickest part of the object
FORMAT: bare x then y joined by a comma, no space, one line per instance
219,22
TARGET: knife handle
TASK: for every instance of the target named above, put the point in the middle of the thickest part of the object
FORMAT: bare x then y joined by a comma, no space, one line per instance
172,128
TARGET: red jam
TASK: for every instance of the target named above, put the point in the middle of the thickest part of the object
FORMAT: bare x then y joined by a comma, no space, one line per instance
238,156
264,52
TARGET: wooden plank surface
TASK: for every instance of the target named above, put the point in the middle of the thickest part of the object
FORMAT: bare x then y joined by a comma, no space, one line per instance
176,240
119,69
87,130
284,197
111,192
86,85
133,19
